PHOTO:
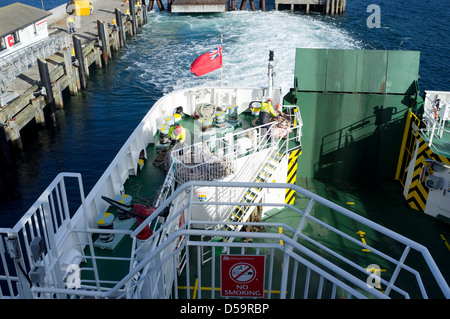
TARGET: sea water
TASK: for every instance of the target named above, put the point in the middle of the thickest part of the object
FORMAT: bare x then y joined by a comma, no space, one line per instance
94,124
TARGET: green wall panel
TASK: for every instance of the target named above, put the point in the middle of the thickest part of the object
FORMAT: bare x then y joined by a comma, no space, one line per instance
371,71
353,105
341,71
353,136
357,71
310,69
402,71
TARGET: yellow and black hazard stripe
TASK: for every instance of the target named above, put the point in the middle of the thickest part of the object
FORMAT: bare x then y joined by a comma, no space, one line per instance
418,191
292,175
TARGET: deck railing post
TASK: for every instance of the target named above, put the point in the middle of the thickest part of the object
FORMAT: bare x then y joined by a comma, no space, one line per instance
285,272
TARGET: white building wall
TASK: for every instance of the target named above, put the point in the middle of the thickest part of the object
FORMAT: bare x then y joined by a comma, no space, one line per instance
28,35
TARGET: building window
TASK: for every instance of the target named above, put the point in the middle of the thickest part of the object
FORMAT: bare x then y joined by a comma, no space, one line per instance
16,37
2,44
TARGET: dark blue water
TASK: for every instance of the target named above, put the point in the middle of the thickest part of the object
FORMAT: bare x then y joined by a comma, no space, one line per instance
93,125
41,4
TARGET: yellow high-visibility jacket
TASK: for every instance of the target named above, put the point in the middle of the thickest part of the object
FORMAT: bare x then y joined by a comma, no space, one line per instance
181,137
267,107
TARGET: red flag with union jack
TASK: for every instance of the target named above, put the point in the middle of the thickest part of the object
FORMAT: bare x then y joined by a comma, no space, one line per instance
207,62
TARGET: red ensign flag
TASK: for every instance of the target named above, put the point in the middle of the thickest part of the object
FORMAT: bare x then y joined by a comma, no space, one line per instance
207,62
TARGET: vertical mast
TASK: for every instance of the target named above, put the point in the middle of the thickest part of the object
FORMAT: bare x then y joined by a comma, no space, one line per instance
270,74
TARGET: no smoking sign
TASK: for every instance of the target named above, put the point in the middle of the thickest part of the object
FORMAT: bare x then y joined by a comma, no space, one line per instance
242,275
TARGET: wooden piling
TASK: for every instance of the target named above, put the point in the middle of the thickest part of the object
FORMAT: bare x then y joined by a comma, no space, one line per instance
57,95
144,11
76,71
14,133
98,57
133,16
80,59
115,36
252,5
47,84
5,151
68,68
233,5
243,3
108,43
262,5
37,103
102,37
150,5
120,28
160,5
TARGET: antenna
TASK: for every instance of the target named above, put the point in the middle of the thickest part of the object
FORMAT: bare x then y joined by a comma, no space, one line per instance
270,74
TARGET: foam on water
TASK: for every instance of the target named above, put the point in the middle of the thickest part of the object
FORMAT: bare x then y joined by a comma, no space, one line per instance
169,44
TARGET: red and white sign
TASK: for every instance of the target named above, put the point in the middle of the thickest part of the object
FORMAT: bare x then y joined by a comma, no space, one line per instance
41,25
242,275
10,40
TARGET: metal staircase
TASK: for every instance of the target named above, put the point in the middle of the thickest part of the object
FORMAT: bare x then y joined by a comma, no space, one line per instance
242,212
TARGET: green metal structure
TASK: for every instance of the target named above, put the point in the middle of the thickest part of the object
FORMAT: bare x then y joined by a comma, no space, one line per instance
353,104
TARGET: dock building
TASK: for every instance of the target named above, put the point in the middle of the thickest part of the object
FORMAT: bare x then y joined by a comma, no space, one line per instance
21,26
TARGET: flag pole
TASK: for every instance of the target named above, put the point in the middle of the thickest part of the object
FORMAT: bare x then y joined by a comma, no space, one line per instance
221,71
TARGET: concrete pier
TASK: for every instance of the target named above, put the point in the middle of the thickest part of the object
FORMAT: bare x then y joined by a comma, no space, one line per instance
325,6
198,6
68,69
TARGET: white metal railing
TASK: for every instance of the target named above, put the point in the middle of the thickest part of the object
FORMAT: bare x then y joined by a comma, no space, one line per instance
435,128
217,157
200,161
157,268
21,60
197,162
50,219
293,249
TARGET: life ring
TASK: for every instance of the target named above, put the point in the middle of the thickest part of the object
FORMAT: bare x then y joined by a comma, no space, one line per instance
436,114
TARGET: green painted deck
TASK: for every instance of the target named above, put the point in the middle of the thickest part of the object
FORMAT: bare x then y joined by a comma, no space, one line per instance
384,204
381,202
440,146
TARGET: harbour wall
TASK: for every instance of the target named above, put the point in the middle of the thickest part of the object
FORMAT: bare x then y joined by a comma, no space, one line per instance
40,89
